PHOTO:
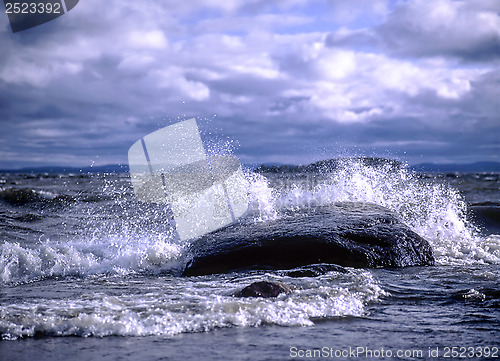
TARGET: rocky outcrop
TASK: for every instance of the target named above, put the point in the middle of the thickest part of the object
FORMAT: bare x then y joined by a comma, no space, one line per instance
346,234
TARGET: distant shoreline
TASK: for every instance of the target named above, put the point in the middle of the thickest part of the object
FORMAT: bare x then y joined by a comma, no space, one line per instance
277,168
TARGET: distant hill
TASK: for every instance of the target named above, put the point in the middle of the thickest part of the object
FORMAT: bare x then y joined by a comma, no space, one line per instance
464,168
110,168
329,164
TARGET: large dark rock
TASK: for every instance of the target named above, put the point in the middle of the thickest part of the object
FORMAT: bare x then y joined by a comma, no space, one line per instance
345,234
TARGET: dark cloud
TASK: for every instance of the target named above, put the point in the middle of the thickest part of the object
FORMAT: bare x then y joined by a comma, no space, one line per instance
464,30
416,80
467,31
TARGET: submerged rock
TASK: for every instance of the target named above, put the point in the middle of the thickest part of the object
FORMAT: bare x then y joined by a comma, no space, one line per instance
264,289
345,234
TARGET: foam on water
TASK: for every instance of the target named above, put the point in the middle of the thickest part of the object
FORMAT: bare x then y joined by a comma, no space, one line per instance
131,240
435,211
124,239
83,257
117,237
176,305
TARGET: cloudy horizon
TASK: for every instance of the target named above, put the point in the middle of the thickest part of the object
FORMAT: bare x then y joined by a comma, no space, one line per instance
283,81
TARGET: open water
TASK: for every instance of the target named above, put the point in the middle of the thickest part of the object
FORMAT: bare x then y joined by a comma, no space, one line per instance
89,273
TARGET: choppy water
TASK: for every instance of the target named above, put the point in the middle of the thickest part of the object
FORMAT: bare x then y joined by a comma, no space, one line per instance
79,256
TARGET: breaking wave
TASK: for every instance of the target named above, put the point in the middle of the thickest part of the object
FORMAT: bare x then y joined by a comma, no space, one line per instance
434,210
112,255
120,236
196,305
101,233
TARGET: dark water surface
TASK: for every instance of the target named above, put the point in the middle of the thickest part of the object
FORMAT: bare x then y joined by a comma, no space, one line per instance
87,272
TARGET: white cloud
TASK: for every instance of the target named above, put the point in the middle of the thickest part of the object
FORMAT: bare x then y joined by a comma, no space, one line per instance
337,64
29,72
257,62
172,78
148,39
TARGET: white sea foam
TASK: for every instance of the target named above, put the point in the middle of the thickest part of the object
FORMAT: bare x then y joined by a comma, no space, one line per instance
114,238
82,257
176,305
190,306
262,197
131,241
434,210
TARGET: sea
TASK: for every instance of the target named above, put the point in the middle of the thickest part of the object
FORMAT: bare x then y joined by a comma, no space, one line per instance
87,272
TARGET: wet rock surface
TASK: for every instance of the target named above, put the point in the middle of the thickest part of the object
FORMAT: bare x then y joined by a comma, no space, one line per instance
357,235
264,289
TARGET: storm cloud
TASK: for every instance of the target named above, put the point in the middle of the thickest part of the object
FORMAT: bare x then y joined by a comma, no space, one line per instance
289,81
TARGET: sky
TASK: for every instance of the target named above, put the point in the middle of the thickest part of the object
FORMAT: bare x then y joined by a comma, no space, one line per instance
277,81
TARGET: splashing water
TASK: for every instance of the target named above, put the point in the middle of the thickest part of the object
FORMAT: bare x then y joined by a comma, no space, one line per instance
123,259
172,305
104,230
115,254
262,197
435,211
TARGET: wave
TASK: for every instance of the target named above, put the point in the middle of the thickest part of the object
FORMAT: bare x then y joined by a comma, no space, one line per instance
33,197
487,215
433,209
115,254
172,305
121,236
